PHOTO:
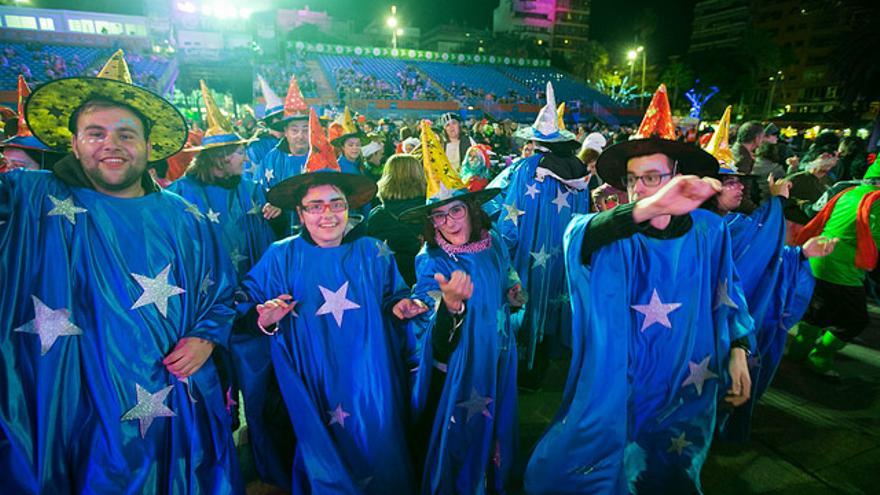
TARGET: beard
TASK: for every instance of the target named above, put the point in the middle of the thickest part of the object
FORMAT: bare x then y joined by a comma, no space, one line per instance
100,179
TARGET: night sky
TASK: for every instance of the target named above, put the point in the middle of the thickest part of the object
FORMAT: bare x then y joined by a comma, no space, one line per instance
614,23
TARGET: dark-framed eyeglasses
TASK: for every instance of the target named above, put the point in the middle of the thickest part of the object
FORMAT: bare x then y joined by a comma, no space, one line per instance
457,212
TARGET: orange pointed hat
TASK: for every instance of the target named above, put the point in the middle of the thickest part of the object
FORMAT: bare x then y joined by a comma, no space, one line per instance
444,185
50,106
656,134
322,168
295,108
23,138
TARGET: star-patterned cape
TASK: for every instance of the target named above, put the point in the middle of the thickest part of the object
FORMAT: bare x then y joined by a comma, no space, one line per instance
256,151
88,311
341,362
474,434
778,285
649,361
275,166
535,240
245,235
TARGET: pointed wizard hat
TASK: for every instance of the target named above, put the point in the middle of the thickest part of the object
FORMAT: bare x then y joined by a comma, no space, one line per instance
719,148
322,168
349,130
219,132
560,116
50,107
23,138
656,134
295,108
546,127
443,183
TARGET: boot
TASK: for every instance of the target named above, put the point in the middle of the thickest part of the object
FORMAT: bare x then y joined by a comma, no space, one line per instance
803,341
821,358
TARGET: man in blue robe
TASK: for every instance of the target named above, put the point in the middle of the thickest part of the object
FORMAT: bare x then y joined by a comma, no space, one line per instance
545,191
656,310
341,359
288,157
114,298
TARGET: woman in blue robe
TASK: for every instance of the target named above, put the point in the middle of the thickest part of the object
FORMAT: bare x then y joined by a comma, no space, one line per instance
466,385
341,359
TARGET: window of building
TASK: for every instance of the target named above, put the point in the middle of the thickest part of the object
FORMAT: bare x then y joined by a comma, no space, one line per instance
47,24
21,22
135,30
109,28
81,26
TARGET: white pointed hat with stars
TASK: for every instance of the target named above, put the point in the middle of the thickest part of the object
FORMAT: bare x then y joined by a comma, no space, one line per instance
546,127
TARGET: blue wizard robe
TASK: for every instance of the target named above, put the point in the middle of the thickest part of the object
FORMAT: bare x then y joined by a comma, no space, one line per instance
778,284
474,437
653,323
256,151
348,166
342,363
536,210
97,290
278,164
236,217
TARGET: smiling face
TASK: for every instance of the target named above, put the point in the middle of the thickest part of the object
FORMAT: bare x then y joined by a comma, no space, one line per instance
327,227
452,220
109,143
351,148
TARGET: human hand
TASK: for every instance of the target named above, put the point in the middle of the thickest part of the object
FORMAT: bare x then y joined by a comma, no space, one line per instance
818,246
741,382
456,290
270,211
273,310
681,195
188,356
781,187
408,308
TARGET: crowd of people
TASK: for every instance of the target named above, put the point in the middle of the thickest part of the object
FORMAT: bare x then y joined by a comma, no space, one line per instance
357,306
414,86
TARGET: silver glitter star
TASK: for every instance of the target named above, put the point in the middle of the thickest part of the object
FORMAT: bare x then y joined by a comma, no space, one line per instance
206,284
699,373
476,404
237,257
213,215
678,444
156,290
656,311
251,168
336,303
149,407
532,191
541,257
337,416
193,210
513,213
437,297
255,208
65,208
561,200
269,174
49,324
384,250
722,297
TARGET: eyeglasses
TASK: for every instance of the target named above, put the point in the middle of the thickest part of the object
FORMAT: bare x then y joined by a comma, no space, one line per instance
731,182
651,179
457,212
336,206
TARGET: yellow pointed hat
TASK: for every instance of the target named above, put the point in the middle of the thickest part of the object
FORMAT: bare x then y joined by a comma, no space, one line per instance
49,108
349,130
560,116
444,185
718,146
220,131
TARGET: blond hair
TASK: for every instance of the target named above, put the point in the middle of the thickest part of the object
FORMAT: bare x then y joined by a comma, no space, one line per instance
402,178
208,159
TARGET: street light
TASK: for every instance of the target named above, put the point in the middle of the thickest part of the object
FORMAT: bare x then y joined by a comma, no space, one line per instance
391,22
632,56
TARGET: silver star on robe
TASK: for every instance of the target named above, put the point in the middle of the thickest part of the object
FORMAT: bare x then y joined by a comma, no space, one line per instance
193,210
678,444
532,191
149,407
513,213
722,297
561,200
237,257
384,250
65,208
255,208
437,297
206,284
213,215
656,311
156,290
337,416
699,373
336,303
476,404
269,175
541,257
49,324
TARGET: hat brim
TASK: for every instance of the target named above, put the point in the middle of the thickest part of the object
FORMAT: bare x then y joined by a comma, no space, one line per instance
277,122
29,143
49,107
241,141
529,134
421,212
338,142
611,164
359,190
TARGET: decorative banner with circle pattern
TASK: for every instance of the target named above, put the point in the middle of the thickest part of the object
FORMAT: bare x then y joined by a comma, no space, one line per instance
423,55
